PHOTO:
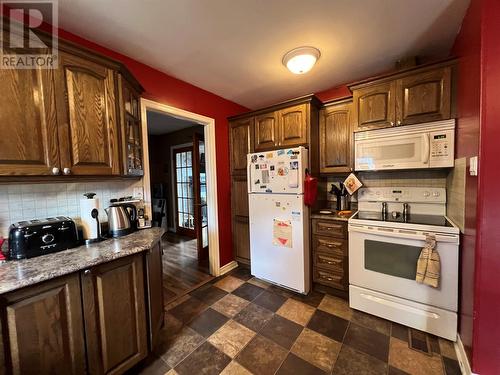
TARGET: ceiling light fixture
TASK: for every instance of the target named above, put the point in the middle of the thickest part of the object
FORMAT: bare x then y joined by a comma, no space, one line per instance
301,60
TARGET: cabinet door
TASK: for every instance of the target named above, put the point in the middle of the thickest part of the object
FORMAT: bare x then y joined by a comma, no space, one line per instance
335,137
43,328
86,107
424,97
240,142
293,125
239,196
241,239
28,145
154,280
115,315
266,131
375,106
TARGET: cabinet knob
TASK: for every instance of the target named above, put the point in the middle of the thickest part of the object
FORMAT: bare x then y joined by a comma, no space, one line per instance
392,123
87,272
67,171
55,171
399,122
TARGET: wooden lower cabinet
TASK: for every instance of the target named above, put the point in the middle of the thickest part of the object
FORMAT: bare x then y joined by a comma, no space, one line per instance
154,276
115,315
43,330
241,239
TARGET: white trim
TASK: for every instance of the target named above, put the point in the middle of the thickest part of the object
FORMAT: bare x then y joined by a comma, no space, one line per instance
228,267
172,180
211,170
463,361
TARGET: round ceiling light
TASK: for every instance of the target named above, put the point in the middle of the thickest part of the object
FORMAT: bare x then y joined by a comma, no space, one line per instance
301,60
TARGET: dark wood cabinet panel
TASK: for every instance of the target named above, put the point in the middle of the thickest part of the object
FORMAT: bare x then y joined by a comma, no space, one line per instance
87,120
241,144
114,315
43,328
375,106
266,131
424,97
293,126
241,239
154,279
28,145
239,196
335,138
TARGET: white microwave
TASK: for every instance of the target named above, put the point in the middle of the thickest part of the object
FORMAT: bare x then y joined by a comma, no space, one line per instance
430,145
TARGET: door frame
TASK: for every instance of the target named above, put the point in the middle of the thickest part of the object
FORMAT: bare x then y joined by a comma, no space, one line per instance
211,171
172,181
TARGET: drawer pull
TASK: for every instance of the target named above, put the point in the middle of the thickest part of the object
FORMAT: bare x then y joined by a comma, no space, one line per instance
329,260
330,278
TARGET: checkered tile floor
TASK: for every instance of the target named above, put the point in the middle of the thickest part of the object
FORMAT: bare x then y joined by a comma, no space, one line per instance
240,325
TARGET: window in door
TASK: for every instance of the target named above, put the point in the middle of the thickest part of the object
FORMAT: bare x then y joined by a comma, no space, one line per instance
184,190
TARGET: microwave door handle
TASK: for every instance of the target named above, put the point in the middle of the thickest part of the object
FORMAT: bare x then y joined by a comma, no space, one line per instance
427,146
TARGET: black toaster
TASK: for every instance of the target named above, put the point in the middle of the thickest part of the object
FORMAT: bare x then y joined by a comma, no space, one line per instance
32,238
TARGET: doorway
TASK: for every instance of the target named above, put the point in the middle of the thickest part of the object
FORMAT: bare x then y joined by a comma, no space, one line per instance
180,184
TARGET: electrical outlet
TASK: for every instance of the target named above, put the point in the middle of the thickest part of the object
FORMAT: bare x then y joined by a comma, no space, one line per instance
138,193
473,166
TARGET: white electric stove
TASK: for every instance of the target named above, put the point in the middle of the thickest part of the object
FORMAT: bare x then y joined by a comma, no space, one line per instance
386,236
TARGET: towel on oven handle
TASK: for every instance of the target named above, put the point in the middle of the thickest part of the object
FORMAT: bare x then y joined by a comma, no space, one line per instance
429,264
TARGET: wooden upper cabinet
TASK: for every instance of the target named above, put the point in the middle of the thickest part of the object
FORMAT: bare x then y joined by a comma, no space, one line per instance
424,97
240,142
266,131
375,106
115,315
43,328
293,126
28,145
87,118
335,138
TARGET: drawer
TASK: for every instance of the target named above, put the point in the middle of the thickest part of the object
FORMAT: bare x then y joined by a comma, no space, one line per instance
329,261
329,228
329,278
330,245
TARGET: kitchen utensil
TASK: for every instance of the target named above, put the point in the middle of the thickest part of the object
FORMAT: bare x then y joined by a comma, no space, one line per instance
121,219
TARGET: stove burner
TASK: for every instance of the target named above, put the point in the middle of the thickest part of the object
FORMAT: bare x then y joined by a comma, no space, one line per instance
436,220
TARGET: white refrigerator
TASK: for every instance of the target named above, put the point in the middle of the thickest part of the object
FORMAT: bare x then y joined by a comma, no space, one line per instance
279,220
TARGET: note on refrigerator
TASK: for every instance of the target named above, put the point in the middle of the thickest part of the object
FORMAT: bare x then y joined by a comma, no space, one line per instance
282,233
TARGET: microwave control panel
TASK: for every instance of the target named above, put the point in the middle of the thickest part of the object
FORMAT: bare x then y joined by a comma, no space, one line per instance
442,148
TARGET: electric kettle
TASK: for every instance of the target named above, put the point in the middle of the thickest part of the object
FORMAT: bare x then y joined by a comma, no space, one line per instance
122,219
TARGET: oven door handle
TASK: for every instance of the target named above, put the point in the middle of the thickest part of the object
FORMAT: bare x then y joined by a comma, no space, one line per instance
403,233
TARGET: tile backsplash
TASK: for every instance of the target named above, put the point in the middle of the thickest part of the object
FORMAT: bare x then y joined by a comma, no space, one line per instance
34,201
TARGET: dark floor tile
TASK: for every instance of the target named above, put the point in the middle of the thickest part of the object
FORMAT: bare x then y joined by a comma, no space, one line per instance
422,346
254,317
188,309
207,359
209,294
208,322
248,291
351,361
281,291
242,273
152,365
329,325
400,332
282,331
396,371
451,366
371,321
261,356
434,343
270,301
173,348
313,299
368,341
294,365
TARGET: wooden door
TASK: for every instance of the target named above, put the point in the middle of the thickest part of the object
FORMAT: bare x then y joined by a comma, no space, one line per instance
266,131
424,97
200,197
28,144
240,143
86,113
293,126
115,315
375,106
241,239
335,137
43,328
184,191
154,279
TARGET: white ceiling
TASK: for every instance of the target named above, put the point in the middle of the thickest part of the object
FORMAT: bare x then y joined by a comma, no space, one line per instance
159,123
234,48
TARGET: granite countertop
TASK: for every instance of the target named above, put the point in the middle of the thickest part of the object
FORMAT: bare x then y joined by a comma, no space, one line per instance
18,274
332,216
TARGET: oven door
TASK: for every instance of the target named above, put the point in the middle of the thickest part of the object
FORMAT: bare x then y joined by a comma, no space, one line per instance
407,151
385,260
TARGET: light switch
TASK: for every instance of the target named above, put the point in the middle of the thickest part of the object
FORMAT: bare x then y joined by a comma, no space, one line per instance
473,166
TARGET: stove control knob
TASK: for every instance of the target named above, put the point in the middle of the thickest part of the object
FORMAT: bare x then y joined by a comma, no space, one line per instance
436,194
426,194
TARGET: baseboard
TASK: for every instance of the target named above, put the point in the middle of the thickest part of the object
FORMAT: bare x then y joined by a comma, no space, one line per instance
462,357
228,267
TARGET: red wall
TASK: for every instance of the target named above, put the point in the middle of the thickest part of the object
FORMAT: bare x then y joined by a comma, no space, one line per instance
468,48
165,89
